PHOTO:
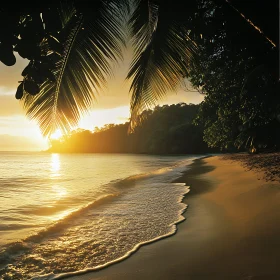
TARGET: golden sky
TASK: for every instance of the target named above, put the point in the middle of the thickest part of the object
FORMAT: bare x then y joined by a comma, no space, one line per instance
17,132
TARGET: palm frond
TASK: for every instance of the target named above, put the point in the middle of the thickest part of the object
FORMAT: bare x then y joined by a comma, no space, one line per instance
90,39
162,52
143,23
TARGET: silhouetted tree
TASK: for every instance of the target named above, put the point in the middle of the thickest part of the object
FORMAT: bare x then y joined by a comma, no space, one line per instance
167,129
220,45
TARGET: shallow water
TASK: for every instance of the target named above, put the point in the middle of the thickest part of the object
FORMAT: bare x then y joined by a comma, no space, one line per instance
63,213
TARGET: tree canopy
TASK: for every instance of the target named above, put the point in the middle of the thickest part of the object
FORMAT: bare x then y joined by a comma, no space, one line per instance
228,49
167,129
241,80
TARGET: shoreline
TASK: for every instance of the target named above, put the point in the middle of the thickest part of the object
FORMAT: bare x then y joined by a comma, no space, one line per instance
266,164
230,230
182,218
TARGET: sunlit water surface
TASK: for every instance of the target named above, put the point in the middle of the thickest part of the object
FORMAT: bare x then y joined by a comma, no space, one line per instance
63,213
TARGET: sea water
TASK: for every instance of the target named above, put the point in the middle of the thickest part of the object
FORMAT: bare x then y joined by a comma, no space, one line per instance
61,214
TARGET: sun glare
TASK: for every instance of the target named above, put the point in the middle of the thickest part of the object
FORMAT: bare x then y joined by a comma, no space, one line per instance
56,135
101,117
55,165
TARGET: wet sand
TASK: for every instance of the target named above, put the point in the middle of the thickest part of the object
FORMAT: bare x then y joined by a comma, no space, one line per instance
231,231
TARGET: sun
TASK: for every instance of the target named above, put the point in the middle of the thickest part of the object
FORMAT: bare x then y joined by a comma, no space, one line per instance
56,135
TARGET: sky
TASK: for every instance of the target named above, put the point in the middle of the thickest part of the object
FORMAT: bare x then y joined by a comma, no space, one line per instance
18,133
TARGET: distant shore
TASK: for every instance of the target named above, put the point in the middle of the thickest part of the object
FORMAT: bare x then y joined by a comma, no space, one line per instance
231,230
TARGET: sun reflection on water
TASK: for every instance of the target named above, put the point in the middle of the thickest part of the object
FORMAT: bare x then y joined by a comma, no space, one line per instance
55,165
59,192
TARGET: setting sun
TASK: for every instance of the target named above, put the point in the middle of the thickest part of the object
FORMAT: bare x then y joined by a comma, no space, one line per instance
98,118
56,135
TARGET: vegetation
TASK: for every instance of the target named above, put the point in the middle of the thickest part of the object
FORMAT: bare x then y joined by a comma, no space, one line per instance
164,130
227,49
242,104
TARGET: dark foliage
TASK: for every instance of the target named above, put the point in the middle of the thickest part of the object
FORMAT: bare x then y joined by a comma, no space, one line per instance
239,73
228,49
164,130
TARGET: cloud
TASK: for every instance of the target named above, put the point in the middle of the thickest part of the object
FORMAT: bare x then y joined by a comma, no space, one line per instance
10,106
182,96
19,125
10,75
104,116
19,143
20,134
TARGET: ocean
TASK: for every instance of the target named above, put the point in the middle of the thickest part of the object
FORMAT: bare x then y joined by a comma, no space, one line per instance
66,213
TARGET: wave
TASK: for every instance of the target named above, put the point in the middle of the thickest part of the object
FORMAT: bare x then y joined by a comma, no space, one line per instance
181,218
12,250
137,178
120,186
17,248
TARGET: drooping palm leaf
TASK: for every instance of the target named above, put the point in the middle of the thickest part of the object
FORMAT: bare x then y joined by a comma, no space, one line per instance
90,39
143,23
162,51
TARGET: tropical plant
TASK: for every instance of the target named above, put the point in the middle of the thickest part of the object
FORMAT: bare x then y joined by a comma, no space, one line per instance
70,45
69,56
241,84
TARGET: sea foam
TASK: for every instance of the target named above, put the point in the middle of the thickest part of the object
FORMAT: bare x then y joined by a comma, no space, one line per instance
144,208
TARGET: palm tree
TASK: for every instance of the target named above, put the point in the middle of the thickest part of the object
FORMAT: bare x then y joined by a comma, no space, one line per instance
70,47
70,57
69,61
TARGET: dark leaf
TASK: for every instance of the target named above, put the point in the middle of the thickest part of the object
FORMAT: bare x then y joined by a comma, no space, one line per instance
32,28
44,71
27,70
55,45
31,87
28,49
52,20
163,49
19,92
37,77
7,55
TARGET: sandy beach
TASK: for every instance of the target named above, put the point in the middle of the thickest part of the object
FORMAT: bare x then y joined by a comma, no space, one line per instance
231,231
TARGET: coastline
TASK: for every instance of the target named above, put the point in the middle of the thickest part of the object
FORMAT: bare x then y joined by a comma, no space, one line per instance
231,230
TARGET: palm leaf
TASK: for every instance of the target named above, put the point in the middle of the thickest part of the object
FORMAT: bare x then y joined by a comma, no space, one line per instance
143,23
163,50
91,38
